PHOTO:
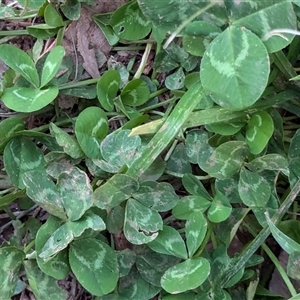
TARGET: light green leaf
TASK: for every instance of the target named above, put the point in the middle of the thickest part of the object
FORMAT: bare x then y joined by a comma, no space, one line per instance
58,266
12,259
141,224
107,88
75,192
235,73
169,242
194,186
116,190
186,276
286,243
259,131
44,287
23,99
181,296
20,156
94,264
157,196
188,205
226,160
42,190
292,267
20,62
220,208
129,23
135,93
69,144
195,231
7,129
253,189
90,128
52,64
226,128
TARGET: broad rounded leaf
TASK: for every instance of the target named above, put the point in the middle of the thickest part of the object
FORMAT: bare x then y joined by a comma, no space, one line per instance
254,190
220,208
20,156
170,242
90,128
23,99
94,264
52,64
42,285
141,224
107,88
69,144
226,160
20,62
259,131
57,267
7,129
52,17
12,259
129,23
126,259
235,68
186,276
117,189
175,81
135,93
157,196
195,231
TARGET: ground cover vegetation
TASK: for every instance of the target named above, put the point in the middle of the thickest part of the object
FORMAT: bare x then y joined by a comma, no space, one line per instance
162,164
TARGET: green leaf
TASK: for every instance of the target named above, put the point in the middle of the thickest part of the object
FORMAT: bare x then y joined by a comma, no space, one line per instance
186,276
120,149
75,192
42,190
169,242
263,17
135,93
20,156
220,208
253,189
42,31
134,286
52,17
90,128
71,9
69,144
188,205
235,68
12,259
43,286
8,127
107,88
141,224
294,158
272,161
286,243
152,265
194,186
293,263
117,189
129,23
95,266
20,62
58,266
157,196
226,128
106,29
195,231
115,219
23,99
67,232
181,296
52,64
226,160
259,131
126,259
175,81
